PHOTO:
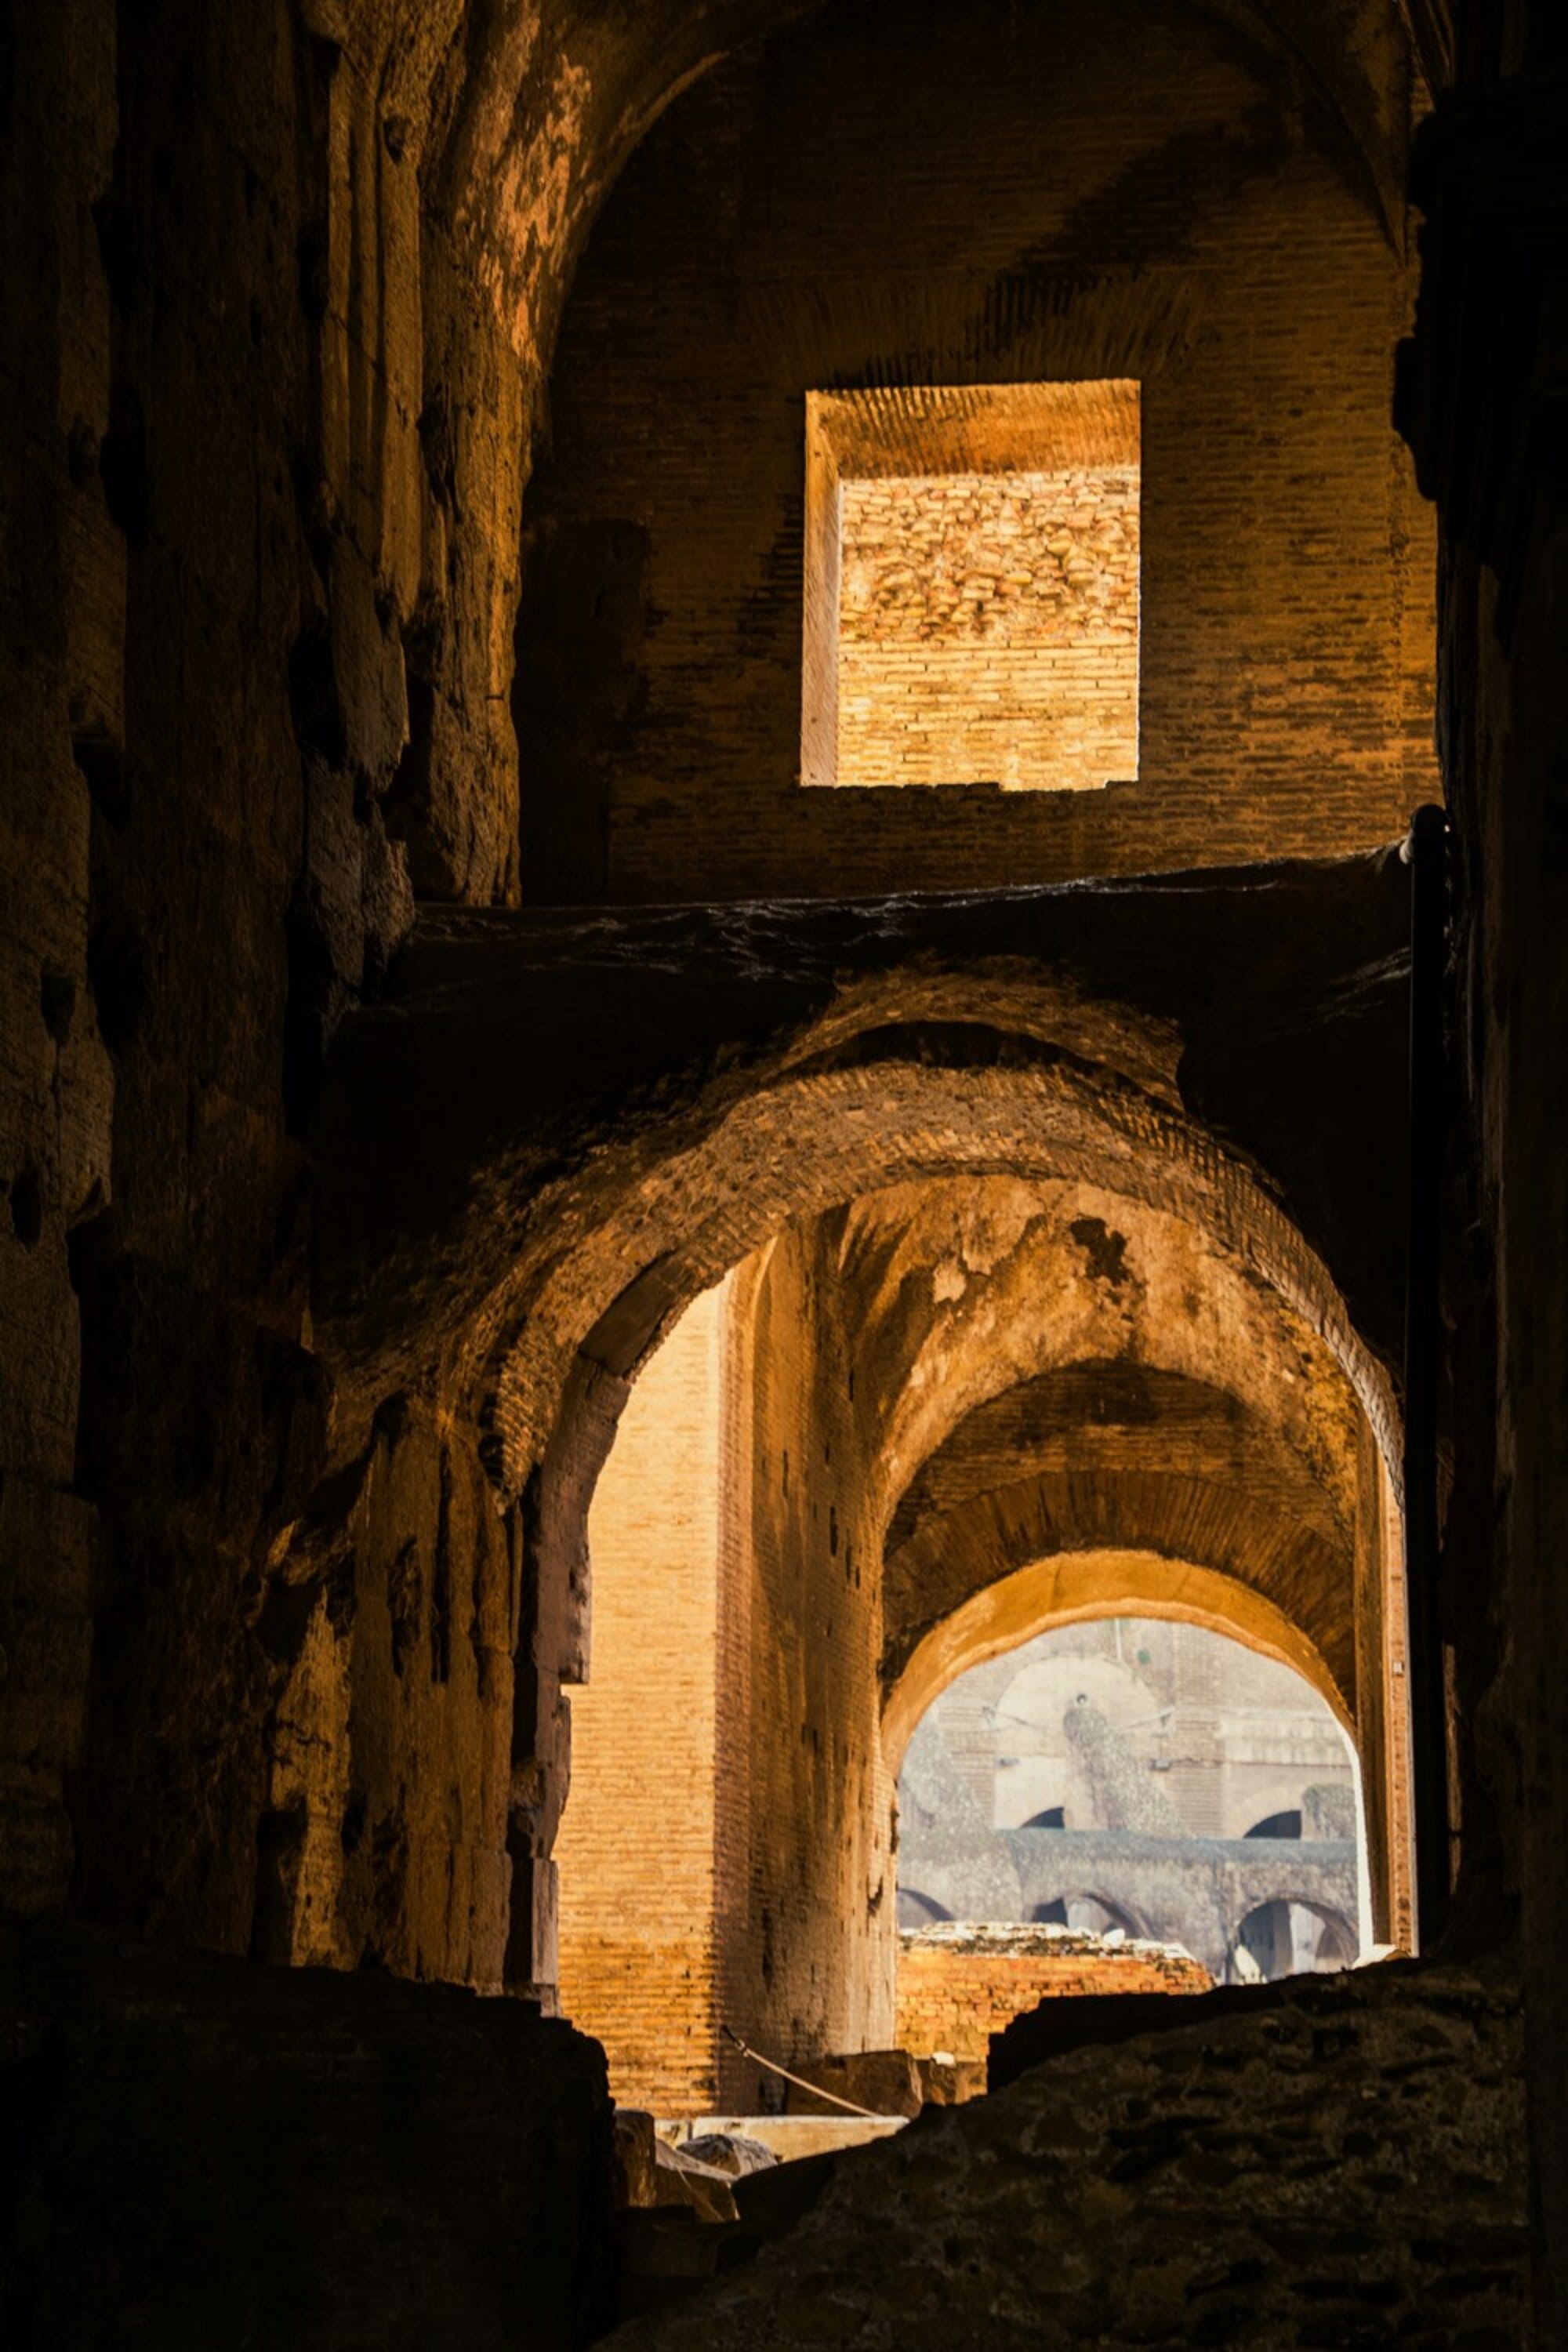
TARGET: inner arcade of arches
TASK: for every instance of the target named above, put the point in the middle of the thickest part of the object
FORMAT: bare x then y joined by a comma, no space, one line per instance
906,1435
574,1259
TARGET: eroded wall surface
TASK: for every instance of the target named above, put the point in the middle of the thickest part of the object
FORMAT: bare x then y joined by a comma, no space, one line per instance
988,631
253,389
805,1856
1266,2173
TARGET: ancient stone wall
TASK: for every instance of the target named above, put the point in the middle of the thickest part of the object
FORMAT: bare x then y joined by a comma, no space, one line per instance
959,1984
257,394
1195,1892
1336,2161
62,587
204,2152
806,1884
390,1637
812,216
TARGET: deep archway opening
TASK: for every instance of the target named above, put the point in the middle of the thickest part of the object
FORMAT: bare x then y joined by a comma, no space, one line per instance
1289,1936
807,1453
1157,1740
667,774
299,1592
1086,1914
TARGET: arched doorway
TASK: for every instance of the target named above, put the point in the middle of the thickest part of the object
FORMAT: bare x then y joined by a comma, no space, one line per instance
1088,1915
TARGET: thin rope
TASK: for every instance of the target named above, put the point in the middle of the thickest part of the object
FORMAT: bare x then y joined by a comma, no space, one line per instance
799,2079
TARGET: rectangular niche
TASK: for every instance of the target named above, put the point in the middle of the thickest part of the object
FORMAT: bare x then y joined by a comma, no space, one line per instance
972,587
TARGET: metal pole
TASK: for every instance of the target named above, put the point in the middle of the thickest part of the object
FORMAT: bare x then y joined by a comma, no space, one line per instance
1425,854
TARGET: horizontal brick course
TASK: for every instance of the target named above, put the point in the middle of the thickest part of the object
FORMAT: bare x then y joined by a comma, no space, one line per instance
988,629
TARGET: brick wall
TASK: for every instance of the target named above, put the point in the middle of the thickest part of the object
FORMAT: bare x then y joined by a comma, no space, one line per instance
724,1853
988,629
636,1850
960,1983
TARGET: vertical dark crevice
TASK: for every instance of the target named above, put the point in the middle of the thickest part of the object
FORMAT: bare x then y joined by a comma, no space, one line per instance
1425,853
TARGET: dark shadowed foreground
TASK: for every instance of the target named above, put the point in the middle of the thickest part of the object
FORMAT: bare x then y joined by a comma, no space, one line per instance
1340,2163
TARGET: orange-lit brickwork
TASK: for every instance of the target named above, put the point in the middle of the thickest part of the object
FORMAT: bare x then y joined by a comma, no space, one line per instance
958,1985
988,630
637,1844
724,1850
807,1884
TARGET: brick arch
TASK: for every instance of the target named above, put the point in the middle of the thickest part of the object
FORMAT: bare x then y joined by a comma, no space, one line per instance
1118,1458
616,1255
565,1198
520,185
1017,1316
672,1226
1069,1587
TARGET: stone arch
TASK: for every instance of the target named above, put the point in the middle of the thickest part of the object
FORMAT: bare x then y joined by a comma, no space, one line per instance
1285,1825
1122,1458
524,1273
1340,1943
1072,1588
701,1210
1121,1914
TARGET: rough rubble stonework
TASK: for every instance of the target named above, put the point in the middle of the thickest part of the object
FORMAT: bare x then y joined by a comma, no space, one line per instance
988,631
1125,1797
1338,2166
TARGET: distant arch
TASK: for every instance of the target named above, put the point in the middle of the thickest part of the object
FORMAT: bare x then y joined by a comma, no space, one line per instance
1287,1824
1075,1586
1274,1940
919,1910
1088,1912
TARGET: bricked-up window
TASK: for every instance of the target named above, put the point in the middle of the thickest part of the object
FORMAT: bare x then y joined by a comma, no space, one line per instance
972,587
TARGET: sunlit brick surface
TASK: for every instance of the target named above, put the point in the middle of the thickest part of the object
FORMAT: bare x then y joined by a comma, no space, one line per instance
972,585
961,1983
637,1843
988,629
